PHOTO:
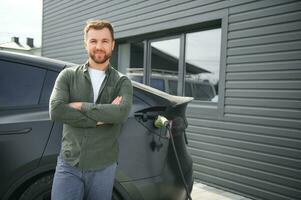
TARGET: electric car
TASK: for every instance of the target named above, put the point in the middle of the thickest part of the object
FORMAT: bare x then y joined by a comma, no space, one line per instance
153,162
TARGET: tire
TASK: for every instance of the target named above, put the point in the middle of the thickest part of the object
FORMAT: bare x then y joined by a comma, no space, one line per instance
41,190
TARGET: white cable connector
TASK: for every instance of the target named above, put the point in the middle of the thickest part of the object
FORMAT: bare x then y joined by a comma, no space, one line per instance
161,121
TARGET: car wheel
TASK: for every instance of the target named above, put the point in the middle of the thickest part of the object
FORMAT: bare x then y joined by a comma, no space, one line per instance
39,190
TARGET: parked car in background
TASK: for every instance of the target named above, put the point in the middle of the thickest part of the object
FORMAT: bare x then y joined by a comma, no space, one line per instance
30,141
167,81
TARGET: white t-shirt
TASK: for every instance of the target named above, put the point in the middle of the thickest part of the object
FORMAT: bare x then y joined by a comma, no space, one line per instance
97,77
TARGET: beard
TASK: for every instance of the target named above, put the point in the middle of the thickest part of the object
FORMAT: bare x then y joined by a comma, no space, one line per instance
100,59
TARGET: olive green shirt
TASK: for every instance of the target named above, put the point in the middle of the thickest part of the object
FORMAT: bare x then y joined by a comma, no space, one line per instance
84,144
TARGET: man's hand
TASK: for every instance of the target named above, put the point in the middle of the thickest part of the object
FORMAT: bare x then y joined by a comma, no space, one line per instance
76,105
117,100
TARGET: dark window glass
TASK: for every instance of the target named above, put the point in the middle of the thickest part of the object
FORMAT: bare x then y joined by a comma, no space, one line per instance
130,59
204,91
138,79
48,86
157,83
114,58
203,63
173,87
20,84
188,89
165,62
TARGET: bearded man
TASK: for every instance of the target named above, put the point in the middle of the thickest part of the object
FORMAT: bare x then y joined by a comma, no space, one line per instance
92,101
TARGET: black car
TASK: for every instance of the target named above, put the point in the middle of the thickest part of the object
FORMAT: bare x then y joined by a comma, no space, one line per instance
153,162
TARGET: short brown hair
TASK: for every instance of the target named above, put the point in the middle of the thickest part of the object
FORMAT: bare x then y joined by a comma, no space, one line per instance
98,25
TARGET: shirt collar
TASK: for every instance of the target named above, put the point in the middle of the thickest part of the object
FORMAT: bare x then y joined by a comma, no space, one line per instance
86,65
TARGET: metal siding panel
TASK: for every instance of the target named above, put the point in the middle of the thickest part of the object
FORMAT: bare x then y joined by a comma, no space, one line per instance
293,184
278,84
264,12
257,5
266,30
266,48
264,57
267,39
248,163
86,13
264,93
177,12
266,112
266,21
268,121
265,66
246,154
265,75
269,131
268,103
243,144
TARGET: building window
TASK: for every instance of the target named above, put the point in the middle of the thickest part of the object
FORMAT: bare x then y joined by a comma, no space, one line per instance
202,59
186,64
165,56
130,60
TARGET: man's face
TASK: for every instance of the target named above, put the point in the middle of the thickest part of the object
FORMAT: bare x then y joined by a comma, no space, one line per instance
99,45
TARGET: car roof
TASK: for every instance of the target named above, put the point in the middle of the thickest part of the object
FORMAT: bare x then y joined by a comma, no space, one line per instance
38,61
58,65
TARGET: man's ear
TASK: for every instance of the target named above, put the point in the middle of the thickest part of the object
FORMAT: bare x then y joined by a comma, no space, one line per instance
113,45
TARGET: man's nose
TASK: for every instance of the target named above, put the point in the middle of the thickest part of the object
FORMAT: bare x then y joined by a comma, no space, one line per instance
99,45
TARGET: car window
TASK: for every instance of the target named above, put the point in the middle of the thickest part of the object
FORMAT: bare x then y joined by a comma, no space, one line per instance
188,89
136,78
157,83
48,86
173,87
20,84
204,91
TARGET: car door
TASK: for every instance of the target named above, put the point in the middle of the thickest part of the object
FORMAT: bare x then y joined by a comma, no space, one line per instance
24,120
142,147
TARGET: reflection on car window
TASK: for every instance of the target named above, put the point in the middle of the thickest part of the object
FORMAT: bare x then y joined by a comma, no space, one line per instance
158,84
203,63
20,84
173,86
131,58
138,79
165,56
204,91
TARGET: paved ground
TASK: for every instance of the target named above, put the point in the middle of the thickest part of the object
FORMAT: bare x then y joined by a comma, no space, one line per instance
205,192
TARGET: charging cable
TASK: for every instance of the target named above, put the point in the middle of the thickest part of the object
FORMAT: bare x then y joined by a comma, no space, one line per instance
161,122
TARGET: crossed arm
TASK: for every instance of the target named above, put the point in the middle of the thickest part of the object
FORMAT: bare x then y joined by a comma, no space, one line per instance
78,106
84,114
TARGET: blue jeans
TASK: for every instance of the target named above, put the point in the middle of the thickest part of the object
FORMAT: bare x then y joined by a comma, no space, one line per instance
70,183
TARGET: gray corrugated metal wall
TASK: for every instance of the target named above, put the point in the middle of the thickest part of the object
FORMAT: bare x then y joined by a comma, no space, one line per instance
251,141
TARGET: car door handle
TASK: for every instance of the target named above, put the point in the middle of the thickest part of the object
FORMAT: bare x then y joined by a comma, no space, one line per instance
16,131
